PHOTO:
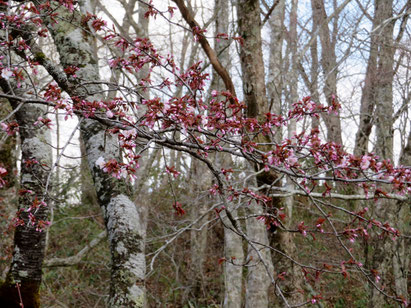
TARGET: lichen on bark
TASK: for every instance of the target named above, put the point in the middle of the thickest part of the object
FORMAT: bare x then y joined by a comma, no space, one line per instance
124,225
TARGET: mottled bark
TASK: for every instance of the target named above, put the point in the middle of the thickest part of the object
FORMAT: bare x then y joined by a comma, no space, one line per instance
24,276
126,231
124,223
329,67
88,192
29,241
29,237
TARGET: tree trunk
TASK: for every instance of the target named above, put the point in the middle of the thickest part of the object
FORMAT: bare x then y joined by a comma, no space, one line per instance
254,90
251,56
258,259
233,244
295,280
385,253
385,72
29,238
368,93
330,69
401,259
275,64
124,220
233,270
8,196
24,277
202,181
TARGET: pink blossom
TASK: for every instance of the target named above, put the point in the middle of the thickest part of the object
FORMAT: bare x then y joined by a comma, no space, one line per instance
100,162
365,162
109,114
6,73
292,159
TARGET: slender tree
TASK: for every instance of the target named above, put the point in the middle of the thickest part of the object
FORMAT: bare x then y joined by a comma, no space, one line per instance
329,66
24,277
254,90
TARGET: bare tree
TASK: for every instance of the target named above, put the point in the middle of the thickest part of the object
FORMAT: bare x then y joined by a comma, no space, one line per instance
254,90
329,66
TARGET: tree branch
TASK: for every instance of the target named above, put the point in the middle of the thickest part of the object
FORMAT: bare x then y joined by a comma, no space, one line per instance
221,71
73,260
267,16
293,192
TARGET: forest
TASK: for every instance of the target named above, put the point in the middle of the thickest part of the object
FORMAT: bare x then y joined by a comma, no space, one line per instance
192,153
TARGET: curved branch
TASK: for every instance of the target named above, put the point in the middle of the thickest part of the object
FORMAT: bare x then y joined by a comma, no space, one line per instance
212,56
76,259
